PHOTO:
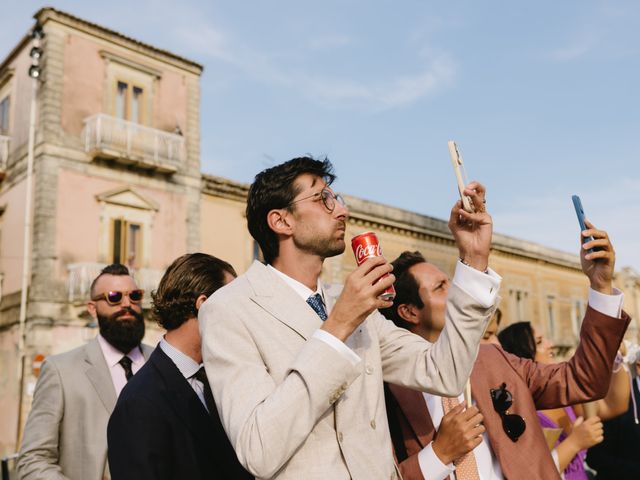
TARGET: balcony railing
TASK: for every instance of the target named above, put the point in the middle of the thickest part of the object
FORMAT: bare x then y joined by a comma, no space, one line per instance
4,154
81,275
133,144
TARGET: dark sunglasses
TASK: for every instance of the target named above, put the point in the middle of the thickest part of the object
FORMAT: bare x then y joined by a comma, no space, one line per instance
328,198
513,425
114,298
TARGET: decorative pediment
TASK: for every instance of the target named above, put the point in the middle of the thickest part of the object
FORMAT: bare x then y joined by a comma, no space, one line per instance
127,197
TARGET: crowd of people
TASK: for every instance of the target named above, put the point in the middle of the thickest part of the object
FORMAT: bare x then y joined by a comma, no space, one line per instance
266,375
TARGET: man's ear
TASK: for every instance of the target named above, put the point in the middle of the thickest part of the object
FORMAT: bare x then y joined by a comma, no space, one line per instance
408,313
91,308
200,300
278,221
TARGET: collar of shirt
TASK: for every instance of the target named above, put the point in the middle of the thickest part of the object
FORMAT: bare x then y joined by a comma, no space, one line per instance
113,356
188,366
300,288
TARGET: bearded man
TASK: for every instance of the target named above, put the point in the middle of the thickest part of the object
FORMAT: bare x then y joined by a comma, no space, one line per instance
65,436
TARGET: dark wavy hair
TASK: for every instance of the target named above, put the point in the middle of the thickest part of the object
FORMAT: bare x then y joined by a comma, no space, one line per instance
406,287
518,339
188,277
274,188
113,269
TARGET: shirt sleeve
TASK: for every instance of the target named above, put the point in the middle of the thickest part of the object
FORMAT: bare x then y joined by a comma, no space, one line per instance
482,287
431,466
610,305
338,345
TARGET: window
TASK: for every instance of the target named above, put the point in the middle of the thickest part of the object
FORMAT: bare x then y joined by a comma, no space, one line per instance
129,102
551,316
519,301
126,243
4,116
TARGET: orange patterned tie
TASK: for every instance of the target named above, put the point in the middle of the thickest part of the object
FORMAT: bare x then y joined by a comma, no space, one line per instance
466,466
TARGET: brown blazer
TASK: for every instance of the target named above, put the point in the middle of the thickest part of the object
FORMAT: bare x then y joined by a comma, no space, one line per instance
534,387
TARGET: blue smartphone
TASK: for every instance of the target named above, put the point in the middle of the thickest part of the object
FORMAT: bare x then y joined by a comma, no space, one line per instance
580,213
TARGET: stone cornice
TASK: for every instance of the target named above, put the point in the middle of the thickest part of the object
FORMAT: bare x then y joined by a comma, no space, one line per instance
51,14
6,75
223,187
377,216
13,53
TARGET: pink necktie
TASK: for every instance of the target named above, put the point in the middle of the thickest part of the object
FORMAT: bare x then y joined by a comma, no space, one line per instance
466,466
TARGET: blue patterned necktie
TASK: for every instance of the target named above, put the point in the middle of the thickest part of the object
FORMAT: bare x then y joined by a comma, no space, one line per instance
315,302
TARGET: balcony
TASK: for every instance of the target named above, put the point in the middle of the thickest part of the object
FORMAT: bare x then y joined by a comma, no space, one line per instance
130,143
4,155
81,275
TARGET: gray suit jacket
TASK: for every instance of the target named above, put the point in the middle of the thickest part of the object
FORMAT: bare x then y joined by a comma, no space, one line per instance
294,407
65,436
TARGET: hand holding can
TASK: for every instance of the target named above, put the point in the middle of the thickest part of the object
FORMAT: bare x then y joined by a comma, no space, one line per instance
367,245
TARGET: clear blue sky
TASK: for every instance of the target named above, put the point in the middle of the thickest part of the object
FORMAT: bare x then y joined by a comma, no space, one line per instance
542,98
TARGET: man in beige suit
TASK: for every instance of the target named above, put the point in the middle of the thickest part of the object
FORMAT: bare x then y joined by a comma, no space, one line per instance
297,377
66,433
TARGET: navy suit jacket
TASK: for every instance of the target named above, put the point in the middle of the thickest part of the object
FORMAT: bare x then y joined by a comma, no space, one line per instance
160,430
618,457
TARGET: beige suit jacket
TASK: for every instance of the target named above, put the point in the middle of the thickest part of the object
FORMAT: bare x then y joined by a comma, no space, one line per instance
65,436
292,405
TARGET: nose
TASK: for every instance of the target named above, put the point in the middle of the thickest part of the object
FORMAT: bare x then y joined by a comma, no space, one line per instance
341,210
126,302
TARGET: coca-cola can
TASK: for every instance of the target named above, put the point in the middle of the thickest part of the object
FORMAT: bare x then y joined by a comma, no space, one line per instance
367,245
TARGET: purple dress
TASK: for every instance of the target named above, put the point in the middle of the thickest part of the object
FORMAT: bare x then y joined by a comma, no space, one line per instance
575,469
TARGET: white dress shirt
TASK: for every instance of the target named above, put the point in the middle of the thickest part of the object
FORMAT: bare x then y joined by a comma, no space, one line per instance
481,286
113,356
488,465
188,368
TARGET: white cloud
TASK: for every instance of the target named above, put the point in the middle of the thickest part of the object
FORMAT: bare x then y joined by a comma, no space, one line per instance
575,49
394,92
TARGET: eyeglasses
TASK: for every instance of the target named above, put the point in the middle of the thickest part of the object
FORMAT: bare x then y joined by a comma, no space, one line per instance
115,297
513,425
328,198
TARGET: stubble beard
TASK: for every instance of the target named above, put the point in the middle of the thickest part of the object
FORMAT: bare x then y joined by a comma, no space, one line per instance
324,247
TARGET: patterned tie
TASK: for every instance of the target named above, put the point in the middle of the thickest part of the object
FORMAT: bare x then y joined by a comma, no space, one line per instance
466,466
126,365
315,302
208,394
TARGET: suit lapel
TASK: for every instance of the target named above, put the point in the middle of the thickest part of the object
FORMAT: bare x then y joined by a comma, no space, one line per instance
146,350
276,297
98,373
415,409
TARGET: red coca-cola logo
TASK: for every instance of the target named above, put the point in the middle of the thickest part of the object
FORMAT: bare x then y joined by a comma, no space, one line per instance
366,251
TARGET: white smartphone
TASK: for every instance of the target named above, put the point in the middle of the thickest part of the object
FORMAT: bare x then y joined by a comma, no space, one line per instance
458,166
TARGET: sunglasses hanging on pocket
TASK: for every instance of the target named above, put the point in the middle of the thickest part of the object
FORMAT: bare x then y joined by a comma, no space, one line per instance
513,425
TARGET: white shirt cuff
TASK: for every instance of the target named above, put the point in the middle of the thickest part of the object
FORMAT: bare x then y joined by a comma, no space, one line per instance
610,305
483,287
338,345
431,466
